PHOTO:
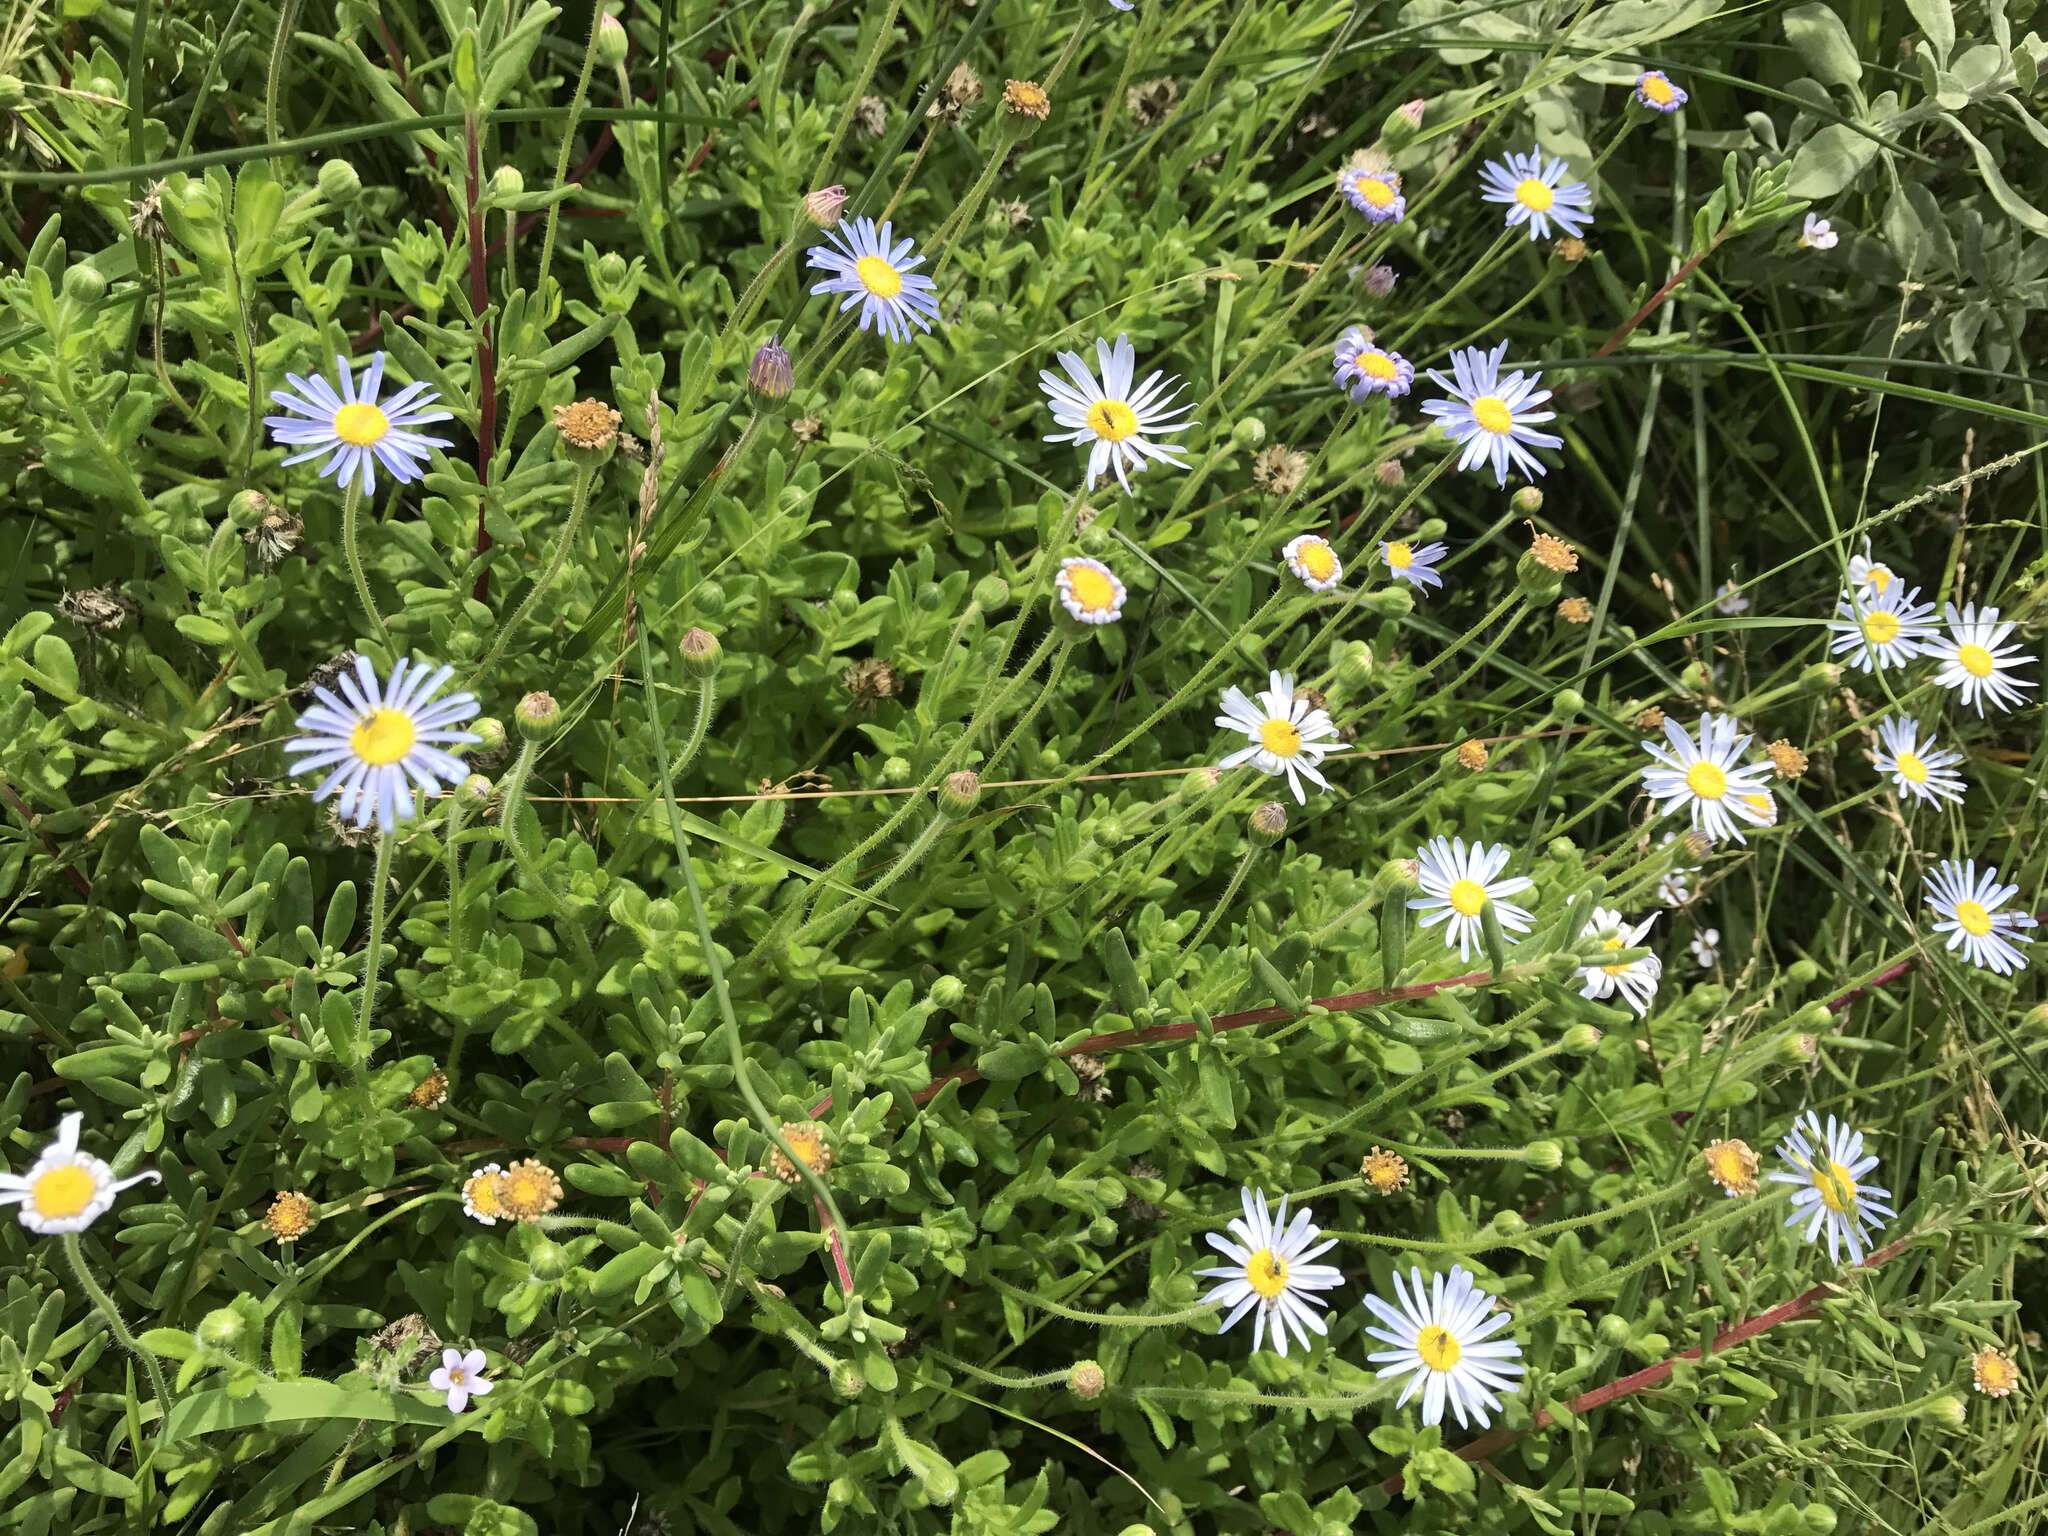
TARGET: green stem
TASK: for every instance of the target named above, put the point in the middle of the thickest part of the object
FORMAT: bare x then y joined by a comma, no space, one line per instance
1052,682
855,91
74,1251
707,705
351,500
578,501
1244,867
450,830
920,846
287,22
528,862
373,950
547,244
1107,1319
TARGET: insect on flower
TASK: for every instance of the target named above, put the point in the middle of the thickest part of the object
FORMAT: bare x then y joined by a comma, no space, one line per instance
1269,1274
1442,1332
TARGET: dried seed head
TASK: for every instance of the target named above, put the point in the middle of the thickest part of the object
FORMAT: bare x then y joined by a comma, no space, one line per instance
146,213
1093,1073
275,538
822,206
958,792
873,678
588,427
963,86
1571,249
291,1216
1269,822
1553,554
1386,1172
807,429
1651,719
1787,761
1472,755
1389,473
98,608
1278,469
871,116
1378,280
1019,215
1731,1165
807,1140
1026,98
537,716
1149,103
432,1092
1575,610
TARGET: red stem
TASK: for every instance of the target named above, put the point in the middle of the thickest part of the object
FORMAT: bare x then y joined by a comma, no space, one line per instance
838,1248
1657,298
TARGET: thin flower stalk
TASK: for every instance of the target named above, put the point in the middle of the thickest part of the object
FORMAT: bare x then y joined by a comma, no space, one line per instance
579,500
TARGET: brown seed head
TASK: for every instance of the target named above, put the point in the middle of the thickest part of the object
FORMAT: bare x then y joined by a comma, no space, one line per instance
1278,469
1087,1380
1389,473
1019,215
1570,249
1386,1172
1026,98
873,678
872,116
807,429
432,1092
1651,719
1575,610
1554,554
1472,755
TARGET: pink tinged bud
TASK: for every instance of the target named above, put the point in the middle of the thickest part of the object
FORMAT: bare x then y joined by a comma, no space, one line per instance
822,206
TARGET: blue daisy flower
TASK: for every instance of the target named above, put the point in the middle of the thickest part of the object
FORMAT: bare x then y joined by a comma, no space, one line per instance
1376,194
1655,91
1414,564
1364,370
877,275
376,737
358,429
1491,416
1537,194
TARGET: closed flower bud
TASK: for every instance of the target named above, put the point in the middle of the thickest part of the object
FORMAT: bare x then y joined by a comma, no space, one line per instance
12,92
958,792
1814,1016
1582,1040
867,384
947,992
507,183
1269,822
1539,584
1803,972
1200,783
1354,666
896,771
1398,875
1819,1520
1087,1379
1509,1222
822,206
537,716
1401,126
548,1262
991,594
1389,473
1568,703
699,650
1528,500
1821,677
1949,1409
219,1329
489,733
339,182
1799,1048
771,375
249,508
84,284
1612,1330
612,42
1249,433
1391,602
473,791
1544,1156
847,1381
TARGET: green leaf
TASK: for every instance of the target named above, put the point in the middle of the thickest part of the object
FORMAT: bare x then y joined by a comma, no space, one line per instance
1823,42
1938,22
207,1413
1829,161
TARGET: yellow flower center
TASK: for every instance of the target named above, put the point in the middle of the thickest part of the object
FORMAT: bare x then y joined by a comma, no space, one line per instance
1880,627
1615,970
1400,556
1911,769
1376,192
1438,1349
1492,414
878,277
1975,660
1467,897
457,1376
361,424
1535,195
1280,738
1880,578
1837,1189
383,736
1090,589
1318,559
1706,781
1996,1375
1377,364
1112,420
1973,917
1266,1273
1725,1162
63,1192
1657,90
483,1192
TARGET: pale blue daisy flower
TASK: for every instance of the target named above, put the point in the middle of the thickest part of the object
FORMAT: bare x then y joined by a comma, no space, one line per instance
1655,91
355,427
1874,630
1491,416
1416,566
1827,1169
1919,769
1537,194
877,272
1365,370
378,740
1376,194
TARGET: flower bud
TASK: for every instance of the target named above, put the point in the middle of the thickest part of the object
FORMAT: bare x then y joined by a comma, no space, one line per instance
771,375
896,771
847,1381
1568,703
1354,666
474,791
1538,584
12,92
1401,126
548,1262
1398,875
339,183
991,594
613,269
1814,1015
1544,1156
1528,500
84,283
1249,433
612,42
1392,602
867,384
699,650
219,1329
1200,783
958,792
1509,1222
1798,1048
1696,677
537,716
1950,1410
1821,677
1818,1519
1379,281
822,206
708,598
663,915
1612,1330
1087,1380
507,183
1563,850
1389,473
249,508
1803,972
947,992
1582,1040
489,732
1269,822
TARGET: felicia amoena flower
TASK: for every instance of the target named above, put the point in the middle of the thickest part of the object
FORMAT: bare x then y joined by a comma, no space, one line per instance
1442,1333
1637,980
879,276
1458,884
1313,561
1376,194
1708,779
1090,591
1919,769
1966,907
461,1377
1993,1373
1866,574
1875,630
1655,91
1818,234
1729,599
1269,1274
1537,194
1415,566
383,740
1706,948
1975,659
1731,1165
1116,421
1288,735
483,1195
1364,370
357,429
1826,1167
65,1190
1491,416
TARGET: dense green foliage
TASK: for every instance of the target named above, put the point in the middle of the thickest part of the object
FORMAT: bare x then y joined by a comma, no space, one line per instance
202,961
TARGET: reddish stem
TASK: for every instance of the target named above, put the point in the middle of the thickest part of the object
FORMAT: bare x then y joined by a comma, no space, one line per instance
486,352
838,1248
1658,298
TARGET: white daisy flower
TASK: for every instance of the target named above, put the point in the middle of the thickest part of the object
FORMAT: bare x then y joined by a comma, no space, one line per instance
1875,630
1414,564
1827,1167
1637,980
1817,234
1708,779
1919,769
1706,948
1090,591
461,1377
1269,1274
1967,904
65,1190
1442,1333
1457,885
1536,194
483,1195
1288,735
1491,417
877,272
1118,423
1313,561
355,427
1364,370
1729,600
383,740
1975,660
1866,574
